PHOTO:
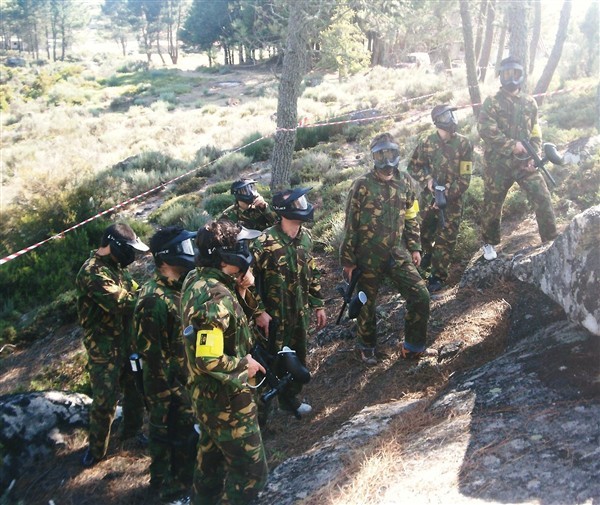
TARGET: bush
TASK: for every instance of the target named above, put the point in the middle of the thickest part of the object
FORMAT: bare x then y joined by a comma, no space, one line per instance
258,150
219,188
328,232
231,165
190,184
467,242
175,210
216,204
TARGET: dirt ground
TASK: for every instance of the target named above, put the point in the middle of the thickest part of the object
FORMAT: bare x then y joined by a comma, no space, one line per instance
477,320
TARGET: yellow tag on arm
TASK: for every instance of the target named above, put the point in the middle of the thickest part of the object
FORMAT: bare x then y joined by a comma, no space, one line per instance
536,131
413,211
466,167
209,343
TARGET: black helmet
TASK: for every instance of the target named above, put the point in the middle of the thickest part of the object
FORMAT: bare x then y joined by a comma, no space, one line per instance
511,73
292,204
385,153
443,118
123,243
224,241
174,246
244,190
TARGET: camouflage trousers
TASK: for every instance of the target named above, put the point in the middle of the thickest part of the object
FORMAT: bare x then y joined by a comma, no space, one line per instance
405,277
231,465
439,241
498,179
172,442
107,379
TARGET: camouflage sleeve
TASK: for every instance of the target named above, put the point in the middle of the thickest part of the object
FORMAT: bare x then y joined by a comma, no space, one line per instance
229,214
351,226
269,215
465,168
258,270
419,165
315,298
490,133
150,320
411,235
216,311
102,288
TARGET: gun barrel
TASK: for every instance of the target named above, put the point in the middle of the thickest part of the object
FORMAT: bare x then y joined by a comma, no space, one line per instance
539,163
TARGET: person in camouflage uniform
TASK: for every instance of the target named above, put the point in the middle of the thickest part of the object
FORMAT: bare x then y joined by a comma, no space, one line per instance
444,159
106,296
381,237
250,209
216,303
172,439
504,120
288,285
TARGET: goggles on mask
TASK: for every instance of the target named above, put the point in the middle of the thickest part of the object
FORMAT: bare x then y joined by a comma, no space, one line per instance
385,155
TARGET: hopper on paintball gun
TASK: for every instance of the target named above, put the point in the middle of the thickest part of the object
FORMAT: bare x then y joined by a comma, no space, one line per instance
439,196
550,154
354,303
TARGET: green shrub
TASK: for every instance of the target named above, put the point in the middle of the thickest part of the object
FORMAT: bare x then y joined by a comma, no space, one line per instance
473,200
516,205
328,232
189,184
219,188
311,165
175,208
206,154
258,150
467,242
216,204
195,219
231,165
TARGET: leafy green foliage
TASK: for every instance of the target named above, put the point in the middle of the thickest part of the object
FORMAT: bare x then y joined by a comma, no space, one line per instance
258,150
216,204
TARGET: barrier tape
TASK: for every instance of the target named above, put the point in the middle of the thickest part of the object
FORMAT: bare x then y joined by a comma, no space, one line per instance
302,124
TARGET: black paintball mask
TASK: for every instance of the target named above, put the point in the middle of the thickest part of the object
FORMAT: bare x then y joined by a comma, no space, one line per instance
443,118
386,157
239,254
244,190
179,251
511,74
292,204
123,248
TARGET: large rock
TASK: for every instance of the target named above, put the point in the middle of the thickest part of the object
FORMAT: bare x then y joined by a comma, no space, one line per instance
32,425
569,270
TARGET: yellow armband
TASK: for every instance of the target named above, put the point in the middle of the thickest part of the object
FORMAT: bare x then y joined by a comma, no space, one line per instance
465,167
413,211
536,131
209,343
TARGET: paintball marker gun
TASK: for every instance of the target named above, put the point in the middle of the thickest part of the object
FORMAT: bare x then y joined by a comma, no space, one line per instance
280,370
354,303
550,154
135,360
439,196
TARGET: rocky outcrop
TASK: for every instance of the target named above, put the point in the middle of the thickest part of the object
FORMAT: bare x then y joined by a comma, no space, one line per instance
569,271
34,424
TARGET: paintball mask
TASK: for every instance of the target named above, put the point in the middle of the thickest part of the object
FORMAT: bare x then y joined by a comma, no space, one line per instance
386,157
180,251
123,249
244,190
511,74
292,204
239,254
443,118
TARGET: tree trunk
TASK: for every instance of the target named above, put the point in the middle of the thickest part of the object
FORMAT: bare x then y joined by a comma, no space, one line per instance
467,27
535,35
294,66
561,35
483,6
501,43
486,50
518,30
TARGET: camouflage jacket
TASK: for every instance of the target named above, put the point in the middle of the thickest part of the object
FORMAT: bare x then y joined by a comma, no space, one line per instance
209,300
376,224
252,217
449,163
105,302
506,118
159,337
286,271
